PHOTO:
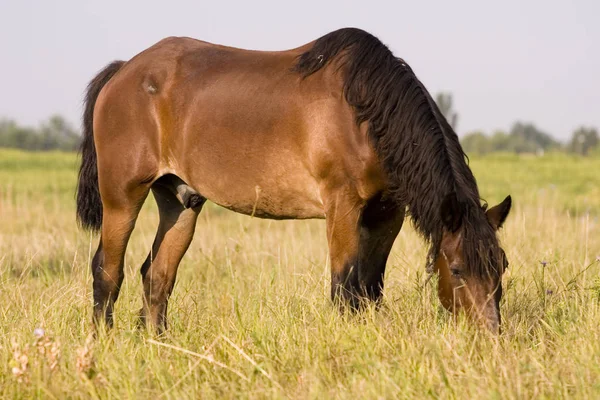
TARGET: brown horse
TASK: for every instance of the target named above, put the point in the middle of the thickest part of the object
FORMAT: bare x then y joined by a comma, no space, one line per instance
337,129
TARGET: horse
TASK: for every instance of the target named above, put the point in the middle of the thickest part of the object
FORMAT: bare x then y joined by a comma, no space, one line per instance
338,129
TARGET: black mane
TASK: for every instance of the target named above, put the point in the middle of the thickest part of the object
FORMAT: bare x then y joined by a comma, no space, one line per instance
420,152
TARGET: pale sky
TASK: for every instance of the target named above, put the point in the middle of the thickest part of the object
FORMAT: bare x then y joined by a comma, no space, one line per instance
503,61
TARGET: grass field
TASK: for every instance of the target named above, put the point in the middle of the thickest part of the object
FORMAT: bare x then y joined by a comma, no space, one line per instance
250,316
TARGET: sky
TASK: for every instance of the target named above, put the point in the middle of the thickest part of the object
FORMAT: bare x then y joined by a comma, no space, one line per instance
533,61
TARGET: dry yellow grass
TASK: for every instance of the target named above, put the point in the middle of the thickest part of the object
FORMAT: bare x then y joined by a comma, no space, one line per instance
251,317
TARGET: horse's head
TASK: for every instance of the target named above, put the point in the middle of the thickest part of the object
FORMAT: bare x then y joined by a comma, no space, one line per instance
470,261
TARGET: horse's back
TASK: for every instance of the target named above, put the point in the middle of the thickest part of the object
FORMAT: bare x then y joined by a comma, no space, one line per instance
239,126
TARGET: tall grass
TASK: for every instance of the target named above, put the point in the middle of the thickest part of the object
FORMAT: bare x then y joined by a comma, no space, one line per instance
250,316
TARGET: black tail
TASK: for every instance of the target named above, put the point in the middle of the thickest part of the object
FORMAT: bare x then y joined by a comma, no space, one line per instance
89,205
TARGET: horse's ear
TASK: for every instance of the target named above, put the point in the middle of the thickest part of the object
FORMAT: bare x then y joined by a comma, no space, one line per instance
497,214
451,212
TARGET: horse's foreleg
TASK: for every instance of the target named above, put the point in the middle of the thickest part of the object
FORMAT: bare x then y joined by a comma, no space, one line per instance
175,233
360,235
380,222
343,210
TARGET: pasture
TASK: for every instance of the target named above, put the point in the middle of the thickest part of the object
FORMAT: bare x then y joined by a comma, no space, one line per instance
251,317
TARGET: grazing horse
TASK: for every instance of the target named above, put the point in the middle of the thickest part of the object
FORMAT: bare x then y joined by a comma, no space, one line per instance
339,129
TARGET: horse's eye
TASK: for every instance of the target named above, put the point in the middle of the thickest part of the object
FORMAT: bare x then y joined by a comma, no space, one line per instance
455,272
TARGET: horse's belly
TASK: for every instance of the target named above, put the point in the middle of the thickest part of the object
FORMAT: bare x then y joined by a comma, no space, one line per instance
273,205
291,196
297,208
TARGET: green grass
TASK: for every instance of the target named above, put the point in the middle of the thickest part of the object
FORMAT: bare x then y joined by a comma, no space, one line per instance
252,302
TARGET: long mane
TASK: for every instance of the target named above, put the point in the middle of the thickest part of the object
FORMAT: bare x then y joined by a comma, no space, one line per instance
420,151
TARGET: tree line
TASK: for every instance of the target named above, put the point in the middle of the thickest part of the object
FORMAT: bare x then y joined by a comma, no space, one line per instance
54,134
526,138
57,134
521,138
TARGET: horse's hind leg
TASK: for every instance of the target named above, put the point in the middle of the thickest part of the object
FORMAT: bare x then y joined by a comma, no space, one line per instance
120,211
179,207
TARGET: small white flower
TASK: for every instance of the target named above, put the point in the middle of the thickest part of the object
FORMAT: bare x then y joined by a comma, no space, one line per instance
38,333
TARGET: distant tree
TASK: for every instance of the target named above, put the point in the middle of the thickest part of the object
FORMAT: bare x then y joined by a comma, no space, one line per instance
58,134
584,140
523,138
55,134
500,141
12,135
476,143
526,138
444,103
